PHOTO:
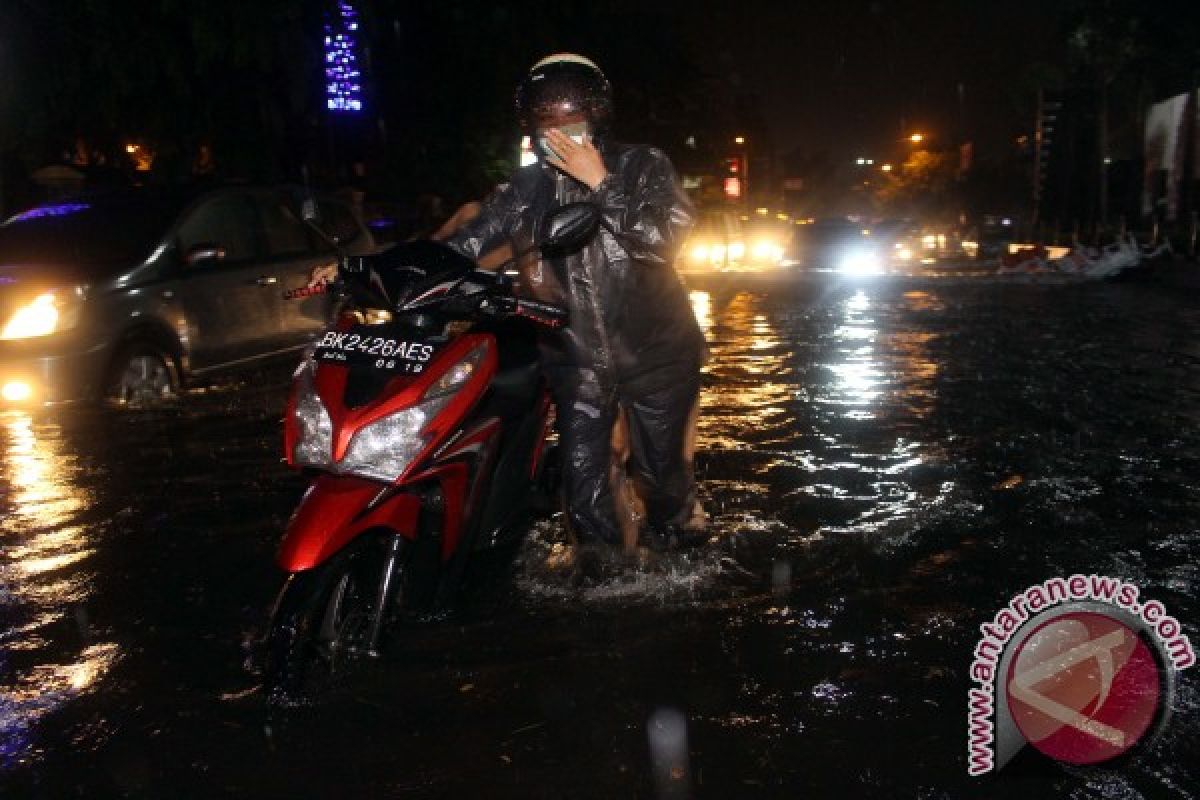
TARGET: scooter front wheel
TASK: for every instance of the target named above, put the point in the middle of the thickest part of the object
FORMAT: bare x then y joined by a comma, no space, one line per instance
325,618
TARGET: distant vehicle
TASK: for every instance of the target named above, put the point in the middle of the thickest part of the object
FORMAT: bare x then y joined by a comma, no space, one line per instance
713,245
899,241
722,241
836,244
767,239
994,233
129,295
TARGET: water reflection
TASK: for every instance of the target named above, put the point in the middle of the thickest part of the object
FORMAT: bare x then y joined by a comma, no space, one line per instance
702,308
753,382
810,416
857,371
43,581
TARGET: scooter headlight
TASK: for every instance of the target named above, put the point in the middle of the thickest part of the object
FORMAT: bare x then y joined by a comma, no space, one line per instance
385,448
314,445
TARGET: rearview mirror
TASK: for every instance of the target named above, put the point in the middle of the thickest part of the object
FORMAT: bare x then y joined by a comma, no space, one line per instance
569,228
309,211
203,252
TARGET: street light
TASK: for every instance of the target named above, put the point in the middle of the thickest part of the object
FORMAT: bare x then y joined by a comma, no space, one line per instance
739,140
886,168
917,138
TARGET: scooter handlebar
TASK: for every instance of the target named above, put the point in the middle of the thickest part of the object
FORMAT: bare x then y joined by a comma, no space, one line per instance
542,313
306,291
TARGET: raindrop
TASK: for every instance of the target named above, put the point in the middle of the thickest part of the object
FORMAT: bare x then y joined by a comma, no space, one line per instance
666,732
781,577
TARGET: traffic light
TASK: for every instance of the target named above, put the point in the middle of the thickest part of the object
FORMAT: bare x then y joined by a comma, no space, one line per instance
734,177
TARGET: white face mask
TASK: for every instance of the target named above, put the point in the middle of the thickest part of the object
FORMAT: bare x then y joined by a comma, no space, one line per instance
576,131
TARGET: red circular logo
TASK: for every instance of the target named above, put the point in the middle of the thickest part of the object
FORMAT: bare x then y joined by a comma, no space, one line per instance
1083,688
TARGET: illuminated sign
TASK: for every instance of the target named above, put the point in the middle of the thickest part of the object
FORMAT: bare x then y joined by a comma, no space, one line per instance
343,79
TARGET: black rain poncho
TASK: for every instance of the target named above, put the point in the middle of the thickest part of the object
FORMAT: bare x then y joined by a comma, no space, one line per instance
632,337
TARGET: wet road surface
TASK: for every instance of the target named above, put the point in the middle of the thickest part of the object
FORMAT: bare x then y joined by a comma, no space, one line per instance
886,462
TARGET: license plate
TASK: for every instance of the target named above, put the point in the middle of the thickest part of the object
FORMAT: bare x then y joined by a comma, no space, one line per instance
361,346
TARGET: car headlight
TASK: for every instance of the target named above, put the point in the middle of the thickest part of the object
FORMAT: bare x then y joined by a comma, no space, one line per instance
314,445
699,253
860,262
47,313
737,251
767,251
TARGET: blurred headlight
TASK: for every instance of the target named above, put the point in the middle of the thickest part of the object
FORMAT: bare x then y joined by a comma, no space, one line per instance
861,262
46,314
699,253
314,447
767,251
384,449
716,254
737,251
16,391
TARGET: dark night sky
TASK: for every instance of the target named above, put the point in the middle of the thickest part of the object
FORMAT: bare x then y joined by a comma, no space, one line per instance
845,76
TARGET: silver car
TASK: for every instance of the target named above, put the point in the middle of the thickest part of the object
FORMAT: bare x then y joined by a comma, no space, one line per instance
130,295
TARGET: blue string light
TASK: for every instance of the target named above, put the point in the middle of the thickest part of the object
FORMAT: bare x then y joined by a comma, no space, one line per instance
343,80
58,210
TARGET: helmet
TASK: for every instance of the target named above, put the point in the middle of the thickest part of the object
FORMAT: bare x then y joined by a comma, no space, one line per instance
563,84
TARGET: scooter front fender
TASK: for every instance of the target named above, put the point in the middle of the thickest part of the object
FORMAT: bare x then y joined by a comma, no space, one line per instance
335,510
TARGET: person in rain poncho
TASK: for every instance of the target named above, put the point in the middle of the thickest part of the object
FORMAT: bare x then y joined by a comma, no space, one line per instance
632,342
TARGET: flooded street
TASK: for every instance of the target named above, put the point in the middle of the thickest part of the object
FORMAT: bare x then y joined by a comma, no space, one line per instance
886,461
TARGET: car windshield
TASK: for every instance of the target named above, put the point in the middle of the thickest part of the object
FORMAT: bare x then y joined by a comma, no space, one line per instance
830,231
91,235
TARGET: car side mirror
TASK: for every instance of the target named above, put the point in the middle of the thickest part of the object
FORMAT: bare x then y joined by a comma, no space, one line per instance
568,228
201,253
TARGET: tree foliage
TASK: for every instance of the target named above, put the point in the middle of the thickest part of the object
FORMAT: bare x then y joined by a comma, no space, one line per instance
921,186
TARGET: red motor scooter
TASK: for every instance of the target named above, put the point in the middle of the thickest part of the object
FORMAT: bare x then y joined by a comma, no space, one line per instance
422,417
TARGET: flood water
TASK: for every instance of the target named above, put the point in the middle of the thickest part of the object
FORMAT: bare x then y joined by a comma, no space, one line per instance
886,461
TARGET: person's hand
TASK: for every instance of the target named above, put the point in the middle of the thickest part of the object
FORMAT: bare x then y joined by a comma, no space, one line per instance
581,161
324,273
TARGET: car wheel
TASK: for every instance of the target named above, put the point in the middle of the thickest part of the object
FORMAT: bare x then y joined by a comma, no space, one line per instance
142,377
